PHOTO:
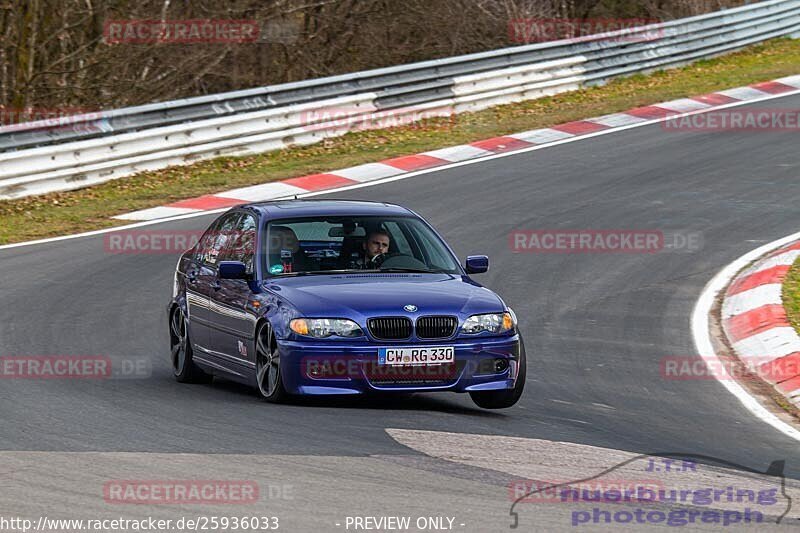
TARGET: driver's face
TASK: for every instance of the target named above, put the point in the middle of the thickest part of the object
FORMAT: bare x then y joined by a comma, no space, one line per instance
377,244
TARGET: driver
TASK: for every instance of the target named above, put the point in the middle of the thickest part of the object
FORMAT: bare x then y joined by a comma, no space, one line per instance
376,245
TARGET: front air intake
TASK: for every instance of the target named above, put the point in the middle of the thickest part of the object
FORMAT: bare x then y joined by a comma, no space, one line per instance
436,327
390,328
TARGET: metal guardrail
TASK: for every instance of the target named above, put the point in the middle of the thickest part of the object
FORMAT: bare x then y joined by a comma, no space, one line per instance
95,148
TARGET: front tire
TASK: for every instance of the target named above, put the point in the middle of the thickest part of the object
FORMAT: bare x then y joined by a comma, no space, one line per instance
501,399
268,366
183,368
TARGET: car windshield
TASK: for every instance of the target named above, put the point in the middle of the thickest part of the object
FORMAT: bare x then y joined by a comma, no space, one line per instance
329,245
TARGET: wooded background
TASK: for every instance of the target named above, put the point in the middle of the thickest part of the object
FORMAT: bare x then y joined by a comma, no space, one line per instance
53,54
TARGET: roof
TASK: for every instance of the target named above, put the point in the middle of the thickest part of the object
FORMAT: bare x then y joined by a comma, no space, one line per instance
302,208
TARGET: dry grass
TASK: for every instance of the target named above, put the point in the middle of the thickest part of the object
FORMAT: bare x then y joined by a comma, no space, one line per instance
90,208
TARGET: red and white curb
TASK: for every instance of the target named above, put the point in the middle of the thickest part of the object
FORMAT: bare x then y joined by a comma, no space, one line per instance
446,156
756,324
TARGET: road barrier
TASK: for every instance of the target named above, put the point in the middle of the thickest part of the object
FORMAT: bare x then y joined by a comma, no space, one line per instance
94,148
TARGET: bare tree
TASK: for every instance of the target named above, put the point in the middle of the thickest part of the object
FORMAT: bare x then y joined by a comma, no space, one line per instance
55,53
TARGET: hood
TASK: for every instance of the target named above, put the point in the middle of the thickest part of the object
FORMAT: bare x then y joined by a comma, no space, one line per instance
368,295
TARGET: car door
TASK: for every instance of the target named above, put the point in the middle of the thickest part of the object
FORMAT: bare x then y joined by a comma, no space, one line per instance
206,282
234,319
196,275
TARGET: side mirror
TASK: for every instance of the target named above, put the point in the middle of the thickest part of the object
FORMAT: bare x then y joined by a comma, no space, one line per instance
477,264
232,270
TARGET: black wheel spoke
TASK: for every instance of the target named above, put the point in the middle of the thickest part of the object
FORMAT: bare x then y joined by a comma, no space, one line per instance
267,364
261,371
177,325
273,378
175,349
178,348
262,348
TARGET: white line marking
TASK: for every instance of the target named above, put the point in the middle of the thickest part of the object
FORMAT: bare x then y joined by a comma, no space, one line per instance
743,93
368,172
742,302
541,136
683,104
784,259
156,212
770,344
411,174
791,81
264,191
705,346
615,120
458,153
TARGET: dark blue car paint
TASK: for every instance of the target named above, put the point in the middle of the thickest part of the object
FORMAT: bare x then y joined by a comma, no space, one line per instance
223,315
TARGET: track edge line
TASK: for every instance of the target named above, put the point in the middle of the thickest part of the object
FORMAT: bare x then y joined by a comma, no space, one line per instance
701,334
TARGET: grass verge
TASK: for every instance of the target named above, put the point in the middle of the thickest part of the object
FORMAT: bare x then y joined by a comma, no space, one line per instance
791,295
90,208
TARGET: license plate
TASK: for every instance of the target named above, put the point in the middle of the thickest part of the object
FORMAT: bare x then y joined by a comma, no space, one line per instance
423,355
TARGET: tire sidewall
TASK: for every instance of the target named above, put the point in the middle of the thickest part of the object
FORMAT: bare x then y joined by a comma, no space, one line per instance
279,394
182,373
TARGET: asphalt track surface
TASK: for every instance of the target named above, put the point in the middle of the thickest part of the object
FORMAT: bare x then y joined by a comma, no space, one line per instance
596,326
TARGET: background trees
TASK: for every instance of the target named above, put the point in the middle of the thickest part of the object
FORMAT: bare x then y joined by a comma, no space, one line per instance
53,54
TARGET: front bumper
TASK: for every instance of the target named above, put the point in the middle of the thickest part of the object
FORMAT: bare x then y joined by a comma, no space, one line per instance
318,368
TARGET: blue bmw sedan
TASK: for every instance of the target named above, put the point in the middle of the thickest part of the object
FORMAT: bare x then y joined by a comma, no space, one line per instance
316,297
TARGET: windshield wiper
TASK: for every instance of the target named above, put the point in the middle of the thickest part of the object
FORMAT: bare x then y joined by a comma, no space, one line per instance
316,272
416,270
359,271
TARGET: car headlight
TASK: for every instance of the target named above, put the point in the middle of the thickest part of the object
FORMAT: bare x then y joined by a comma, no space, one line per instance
492,322
321,328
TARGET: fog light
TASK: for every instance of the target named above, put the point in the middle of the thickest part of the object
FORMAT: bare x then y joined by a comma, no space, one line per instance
500,365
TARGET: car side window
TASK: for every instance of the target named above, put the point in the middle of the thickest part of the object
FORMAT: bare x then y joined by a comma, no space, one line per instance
241,247
219,238
206,241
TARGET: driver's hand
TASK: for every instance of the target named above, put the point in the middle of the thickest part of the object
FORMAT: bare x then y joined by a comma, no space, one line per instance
378,260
